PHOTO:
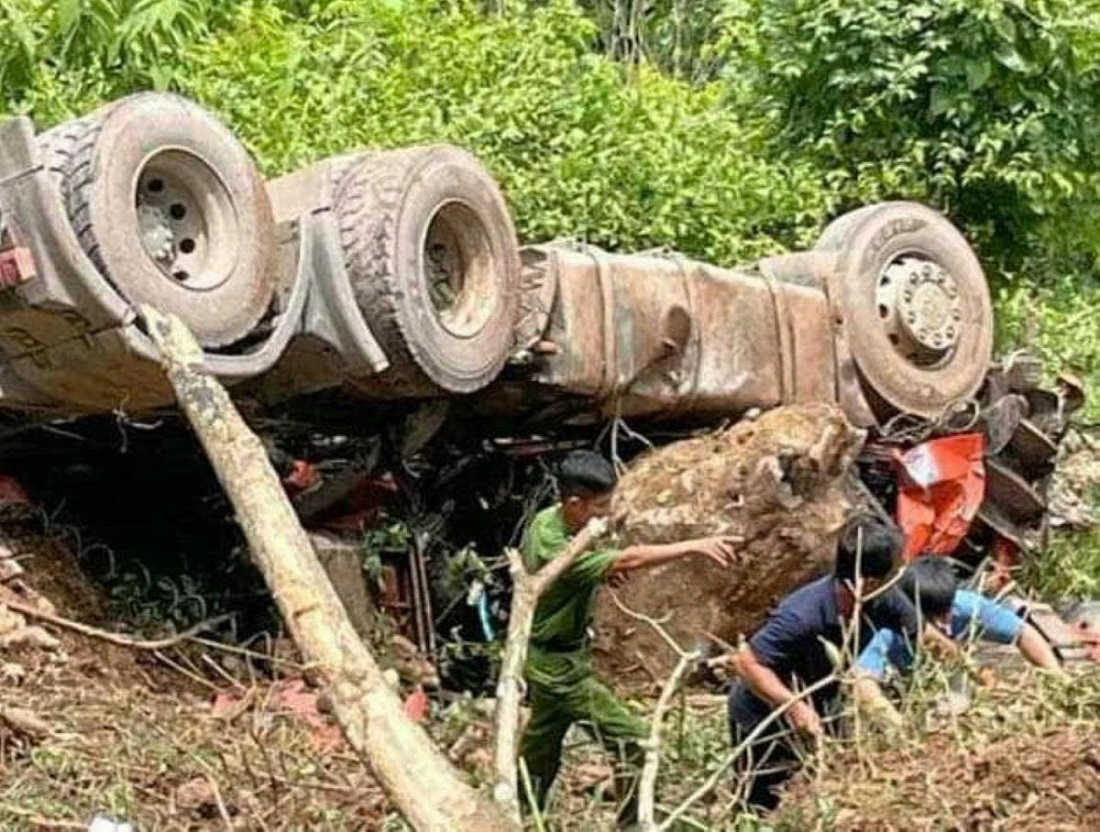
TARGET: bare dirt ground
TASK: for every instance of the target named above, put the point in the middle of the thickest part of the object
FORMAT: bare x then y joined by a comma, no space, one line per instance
109,730
1024,756
1044,782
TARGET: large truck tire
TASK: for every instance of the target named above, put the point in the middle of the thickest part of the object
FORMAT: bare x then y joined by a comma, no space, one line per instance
171,210
433,260
914,304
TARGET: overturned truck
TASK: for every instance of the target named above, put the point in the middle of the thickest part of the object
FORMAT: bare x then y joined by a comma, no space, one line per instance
392,283
397,276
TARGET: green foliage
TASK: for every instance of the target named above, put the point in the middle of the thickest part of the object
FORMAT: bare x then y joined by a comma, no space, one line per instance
392,537
580,150
988,109
112,45
582,147
686,40
1069,568
1052,313
464,571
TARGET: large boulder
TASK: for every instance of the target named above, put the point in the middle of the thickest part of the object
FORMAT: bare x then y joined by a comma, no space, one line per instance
777,483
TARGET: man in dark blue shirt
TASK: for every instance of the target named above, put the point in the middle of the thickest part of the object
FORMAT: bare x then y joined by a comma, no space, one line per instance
789,652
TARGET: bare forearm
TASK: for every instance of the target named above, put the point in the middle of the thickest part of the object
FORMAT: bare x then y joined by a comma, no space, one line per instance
762,680
646,557
1038,650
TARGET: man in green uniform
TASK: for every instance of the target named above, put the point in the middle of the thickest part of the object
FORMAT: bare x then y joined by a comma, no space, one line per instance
562,686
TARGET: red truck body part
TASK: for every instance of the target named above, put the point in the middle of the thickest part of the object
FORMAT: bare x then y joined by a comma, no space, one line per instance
941,485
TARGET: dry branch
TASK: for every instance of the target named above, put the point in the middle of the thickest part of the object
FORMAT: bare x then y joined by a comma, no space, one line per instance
428,791
709,784
527,587
114,638
647,784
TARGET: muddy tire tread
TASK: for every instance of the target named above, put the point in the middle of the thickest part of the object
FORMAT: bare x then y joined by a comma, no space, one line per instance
367,194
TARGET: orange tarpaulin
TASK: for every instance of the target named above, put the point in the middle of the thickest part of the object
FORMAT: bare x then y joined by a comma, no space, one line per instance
941,487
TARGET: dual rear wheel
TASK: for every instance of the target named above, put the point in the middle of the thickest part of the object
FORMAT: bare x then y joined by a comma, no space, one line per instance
170,209
172,212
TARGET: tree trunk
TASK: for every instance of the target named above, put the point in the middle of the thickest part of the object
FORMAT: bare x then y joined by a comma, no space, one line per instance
428,791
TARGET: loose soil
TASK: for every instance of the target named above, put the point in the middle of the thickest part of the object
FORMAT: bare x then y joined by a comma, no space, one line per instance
1001,766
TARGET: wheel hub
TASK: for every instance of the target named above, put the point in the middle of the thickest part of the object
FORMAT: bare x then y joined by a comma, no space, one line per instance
156,236
920,309
185,217
458,264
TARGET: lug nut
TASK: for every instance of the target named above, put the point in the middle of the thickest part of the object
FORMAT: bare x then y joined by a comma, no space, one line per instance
926,270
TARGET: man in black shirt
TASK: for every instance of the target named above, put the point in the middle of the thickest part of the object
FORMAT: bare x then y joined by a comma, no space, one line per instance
789,652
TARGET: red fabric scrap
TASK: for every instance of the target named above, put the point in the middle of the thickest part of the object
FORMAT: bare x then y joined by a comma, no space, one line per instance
416,705
302,477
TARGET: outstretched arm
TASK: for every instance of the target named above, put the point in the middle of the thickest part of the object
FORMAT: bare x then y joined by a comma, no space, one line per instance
719,549
1000,624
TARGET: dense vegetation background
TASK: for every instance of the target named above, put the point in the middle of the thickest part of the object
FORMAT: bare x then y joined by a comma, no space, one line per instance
722,128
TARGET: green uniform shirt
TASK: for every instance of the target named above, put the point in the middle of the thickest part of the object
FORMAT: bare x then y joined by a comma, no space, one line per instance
560,654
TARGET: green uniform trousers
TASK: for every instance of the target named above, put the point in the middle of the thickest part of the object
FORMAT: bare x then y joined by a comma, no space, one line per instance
554,709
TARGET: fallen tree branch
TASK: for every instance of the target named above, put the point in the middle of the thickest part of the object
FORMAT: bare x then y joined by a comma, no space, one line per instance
709,784
421,782
658,626
527,587
114,638
647,784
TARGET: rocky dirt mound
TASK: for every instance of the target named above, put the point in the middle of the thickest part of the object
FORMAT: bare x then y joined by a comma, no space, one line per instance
777,483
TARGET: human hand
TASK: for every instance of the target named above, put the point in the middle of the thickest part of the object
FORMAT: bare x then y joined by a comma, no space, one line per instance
805,720
987,677
617,580
722,549
725,663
